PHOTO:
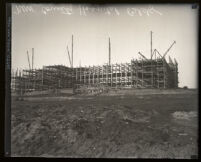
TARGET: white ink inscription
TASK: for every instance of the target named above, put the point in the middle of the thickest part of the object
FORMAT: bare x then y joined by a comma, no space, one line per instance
62,10
143,11
23,9
85,10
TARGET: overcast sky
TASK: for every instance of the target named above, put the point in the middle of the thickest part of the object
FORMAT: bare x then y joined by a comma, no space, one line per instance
48,29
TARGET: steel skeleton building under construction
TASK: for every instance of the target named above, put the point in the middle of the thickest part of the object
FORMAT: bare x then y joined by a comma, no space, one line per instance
155,72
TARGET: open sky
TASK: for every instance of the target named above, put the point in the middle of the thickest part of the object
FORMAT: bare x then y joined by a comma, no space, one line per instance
48,29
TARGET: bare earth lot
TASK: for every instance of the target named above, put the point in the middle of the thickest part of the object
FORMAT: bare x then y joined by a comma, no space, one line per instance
122,126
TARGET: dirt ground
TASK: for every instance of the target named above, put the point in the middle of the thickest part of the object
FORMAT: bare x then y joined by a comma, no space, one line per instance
116,126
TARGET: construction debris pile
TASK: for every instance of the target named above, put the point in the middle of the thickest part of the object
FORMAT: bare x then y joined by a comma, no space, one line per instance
155,72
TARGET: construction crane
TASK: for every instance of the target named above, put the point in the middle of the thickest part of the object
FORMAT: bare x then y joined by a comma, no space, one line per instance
28,60
158,52
69,56
142,55
168,49
32,58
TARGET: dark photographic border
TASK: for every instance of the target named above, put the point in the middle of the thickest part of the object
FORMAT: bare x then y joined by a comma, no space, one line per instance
6,21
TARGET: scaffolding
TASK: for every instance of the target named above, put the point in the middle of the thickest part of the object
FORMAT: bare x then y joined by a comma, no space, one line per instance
49,77
144,73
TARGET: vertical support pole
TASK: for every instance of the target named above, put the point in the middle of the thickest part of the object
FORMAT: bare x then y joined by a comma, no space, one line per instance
125,72
89,75
109,52
20,82
93,71
121,73
12,83
84,75
77,75
98,75
34,79
151,62
80,70
131,70
42,78
136,73
111,75
151,44
107,75
116,74
164,75
158,73
31,79
176,75
72,52
102,74
14,87
16,76
128,80
24,81
152,75
130,75
16,81
142,74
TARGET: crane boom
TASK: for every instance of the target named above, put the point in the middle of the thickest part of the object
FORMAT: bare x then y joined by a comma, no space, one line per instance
158,53
28,60
69,56
169,49
32,58
142,55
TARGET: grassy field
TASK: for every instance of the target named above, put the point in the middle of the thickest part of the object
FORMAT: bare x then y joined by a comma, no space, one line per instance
108,126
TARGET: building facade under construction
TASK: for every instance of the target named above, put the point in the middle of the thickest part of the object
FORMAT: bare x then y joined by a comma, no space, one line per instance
155,72
137,74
